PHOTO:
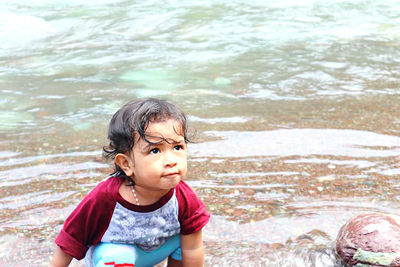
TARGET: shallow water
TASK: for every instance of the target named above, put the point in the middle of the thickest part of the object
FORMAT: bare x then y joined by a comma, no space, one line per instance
295,103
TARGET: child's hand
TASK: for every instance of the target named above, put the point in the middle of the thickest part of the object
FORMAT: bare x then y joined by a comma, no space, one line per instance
60,258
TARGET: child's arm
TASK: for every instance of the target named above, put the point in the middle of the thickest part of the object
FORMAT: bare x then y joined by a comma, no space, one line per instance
192,249
60,258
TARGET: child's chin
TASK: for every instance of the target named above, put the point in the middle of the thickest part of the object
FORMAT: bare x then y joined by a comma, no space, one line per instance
171,183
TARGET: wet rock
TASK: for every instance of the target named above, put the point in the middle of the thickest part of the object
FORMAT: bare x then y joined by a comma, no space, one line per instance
371,239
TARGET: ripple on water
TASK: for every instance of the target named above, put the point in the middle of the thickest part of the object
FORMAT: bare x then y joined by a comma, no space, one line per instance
220,120
295,142
360,164
12,160
8,154
32,199
23,175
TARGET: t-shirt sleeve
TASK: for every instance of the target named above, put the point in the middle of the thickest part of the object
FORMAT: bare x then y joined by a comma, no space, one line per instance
193,215
87,223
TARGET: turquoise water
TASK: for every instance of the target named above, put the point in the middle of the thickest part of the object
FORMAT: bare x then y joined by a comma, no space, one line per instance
296,106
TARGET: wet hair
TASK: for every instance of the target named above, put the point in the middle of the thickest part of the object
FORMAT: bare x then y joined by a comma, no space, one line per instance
132,120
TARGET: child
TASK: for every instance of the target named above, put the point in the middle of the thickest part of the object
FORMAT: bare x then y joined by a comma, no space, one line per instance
144,212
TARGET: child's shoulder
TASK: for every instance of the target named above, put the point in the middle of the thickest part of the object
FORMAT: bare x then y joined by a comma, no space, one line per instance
183,190
192,211
100,202
183,186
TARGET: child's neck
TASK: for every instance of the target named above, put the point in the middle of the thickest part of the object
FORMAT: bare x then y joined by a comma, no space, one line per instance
144,197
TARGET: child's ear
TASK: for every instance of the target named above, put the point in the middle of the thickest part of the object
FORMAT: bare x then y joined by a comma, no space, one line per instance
125,163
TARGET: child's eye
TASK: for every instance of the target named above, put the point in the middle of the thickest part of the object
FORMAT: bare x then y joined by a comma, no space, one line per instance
178,147
154,151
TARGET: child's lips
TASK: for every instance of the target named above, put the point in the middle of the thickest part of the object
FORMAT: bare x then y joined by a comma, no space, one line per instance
171,174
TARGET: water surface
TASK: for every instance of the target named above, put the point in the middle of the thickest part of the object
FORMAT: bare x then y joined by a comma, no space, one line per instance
295,103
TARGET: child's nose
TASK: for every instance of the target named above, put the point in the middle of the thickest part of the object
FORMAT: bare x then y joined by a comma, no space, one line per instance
170,159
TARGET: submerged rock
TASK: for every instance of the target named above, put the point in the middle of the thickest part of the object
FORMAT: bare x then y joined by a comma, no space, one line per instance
222,81
153,79
371,239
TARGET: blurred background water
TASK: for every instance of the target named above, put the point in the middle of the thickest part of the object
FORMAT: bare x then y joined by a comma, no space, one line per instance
296,106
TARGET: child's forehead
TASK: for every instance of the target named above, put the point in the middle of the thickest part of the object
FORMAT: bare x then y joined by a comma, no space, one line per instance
165,126
158,131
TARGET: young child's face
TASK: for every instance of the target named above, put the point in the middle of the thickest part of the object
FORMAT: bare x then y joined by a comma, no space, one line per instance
160,166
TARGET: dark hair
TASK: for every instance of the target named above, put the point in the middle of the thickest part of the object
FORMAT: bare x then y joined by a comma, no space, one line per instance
133,118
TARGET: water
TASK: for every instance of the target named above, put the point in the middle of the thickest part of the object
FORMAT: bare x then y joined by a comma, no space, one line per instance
295,103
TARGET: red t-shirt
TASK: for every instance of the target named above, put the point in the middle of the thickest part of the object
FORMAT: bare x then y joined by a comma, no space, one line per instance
104,216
